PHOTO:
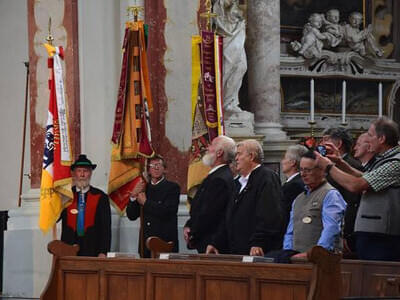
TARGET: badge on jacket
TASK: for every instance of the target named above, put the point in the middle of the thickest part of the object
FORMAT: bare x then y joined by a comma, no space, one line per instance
307,220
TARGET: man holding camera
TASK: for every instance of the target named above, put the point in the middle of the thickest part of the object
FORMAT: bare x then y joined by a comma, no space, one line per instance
341,140
377,227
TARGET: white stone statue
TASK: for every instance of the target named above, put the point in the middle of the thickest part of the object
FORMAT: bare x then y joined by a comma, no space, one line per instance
333,30
313,39
232,26
360,40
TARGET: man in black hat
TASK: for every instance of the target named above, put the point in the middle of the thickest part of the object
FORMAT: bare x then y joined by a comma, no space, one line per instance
87,221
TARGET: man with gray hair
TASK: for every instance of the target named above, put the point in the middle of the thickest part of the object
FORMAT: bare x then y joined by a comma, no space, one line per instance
207,211
377,225
294,185
253,218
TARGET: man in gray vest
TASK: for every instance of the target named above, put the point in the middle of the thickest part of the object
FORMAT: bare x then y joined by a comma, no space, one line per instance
317,214
377,225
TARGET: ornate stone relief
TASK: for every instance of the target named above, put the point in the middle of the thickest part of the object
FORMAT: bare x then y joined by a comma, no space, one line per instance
330,46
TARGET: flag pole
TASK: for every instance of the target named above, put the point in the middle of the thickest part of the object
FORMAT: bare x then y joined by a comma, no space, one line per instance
134,10
208,15
49,40
21,173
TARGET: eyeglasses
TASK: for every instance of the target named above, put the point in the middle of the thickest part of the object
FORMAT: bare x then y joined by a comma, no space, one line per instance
307,170
158,165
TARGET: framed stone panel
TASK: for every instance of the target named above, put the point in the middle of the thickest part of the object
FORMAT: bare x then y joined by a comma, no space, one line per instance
361,95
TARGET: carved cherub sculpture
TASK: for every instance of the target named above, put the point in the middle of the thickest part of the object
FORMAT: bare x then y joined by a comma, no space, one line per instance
358,40
312,40
332,29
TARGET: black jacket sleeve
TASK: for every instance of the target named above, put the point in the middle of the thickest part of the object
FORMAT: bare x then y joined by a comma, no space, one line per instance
216,196
269,217
103,221
133,210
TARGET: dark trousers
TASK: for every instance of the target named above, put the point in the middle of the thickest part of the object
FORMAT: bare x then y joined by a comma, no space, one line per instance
372,246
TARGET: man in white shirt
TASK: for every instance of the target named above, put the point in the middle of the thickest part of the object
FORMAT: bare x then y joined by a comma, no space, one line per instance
254,220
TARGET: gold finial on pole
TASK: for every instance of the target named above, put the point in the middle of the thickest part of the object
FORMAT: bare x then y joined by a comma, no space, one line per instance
208,14
49,37
134,11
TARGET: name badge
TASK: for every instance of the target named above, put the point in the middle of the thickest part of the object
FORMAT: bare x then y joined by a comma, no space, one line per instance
74,211
307,220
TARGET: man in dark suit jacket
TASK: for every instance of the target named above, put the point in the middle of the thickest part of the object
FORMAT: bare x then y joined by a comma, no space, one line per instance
207,211
343,142
254,218
294,185
159,199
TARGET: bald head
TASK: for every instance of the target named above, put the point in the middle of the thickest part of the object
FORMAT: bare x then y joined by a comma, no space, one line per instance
220,151
227,145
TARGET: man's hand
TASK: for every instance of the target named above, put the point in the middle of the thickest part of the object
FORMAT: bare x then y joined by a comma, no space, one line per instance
138,188
300,255
211,250
186,232
141,198
322,161
256,251
102,255
333,153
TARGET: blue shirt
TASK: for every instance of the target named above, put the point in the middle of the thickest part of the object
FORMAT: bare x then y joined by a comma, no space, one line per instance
333,208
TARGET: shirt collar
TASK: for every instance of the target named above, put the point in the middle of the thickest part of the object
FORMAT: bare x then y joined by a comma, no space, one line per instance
293,176
216,168
389,152
244,179
162,178
84,190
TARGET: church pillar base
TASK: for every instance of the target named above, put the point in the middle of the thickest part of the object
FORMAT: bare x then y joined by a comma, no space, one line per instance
271,131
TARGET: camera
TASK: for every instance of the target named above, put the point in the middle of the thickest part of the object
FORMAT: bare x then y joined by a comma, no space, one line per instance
321,149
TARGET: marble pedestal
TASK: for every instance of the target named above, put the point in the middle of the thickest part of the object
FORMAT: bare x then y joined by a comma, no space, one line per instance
239,123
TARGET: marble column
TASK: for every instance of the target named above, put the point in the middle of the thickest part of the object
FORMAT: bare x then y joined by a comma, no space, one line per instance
263,49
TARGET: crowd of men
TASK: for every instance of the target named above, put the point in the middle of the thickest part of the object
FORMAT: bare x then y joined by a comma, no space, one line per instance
344,199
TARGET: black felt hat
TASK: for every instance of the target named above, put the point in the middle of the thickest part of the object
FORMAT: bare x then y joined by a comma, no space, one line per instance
83,161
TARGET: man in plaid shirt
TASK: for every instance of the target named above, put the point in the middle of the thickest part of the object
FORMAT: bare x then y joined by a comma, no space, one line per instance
378,219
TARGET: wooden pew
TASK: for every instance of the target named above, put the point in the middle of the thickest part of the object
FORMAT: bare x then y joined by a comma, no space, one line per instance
125,278
362,278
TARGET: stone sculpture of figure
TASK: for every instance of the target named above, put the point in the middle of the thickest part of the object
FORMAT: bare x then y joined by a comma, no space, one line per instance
312,40
358,40
332,29
232,26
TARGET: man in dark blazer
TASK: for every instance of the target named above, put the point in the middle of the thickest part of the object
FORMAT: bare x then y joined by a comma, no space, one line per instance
254,221
294,185
160,200
207,213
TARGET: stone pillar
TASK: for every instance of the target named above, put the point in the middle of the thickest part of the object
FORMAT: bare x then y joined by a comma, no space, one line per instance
263,49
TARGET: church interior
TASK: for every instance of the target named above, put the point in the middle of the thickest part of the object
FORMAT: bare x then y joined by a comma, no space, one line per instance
295,68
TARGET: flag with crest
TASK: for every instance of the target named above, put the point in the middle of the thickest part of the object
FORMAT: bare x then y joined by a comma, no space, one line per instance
131,138
55,186
207,103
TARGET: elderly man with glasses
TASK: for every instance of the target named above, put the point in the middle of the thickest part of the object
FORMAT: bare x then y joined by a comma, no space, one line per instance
159,199
317,214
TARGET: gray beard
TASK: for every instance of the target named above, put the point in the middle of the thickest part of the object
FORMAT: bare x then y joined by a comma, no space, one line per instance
81,184
209,159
